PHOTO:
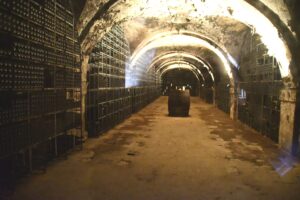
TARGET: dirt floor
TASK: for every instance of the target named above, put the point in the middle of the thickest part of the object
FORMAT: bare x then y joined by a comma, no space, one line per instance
153,156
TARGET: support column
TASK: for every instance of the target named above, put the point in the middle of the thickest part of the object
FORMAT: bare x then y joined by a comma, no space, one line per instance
233,103
214,95
84,69
289,121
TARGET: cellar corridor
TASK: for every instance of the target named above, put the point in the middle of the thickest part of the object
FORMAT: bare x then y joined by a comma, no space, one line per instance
88,88
154,156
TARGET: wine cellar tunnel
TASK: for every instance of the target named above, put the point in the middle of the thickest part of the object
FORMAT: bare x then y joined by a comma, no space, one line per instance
73,71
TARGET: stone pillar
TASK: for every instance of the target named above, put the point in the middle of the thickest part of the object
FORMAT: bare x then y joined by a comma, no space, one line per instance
84,69
289,121
233,103
214,95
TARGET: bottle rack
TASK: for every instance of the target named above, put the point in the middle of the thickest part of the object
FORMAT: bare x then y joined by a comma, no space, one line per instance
107,107
261,67
140,75
40,74
108,101
261,110
222,96
262,84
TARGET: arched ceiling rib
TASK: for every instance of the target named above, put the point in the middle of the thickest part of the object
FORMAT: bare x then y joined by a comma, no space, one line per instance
223,31
165,59
185,66
177,60
179,40
178,65
178,55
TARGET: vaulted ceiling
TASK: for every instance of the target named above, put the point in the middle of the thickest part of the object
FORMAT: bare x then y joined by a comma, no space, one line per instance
221,23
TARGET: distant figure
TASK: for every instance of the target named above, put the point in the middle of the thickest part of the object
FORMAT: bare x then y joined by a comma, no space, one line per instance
179,103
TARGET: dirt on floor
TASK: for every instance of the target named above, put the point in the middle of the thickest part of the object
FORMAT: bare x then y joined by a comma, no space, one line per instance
154,156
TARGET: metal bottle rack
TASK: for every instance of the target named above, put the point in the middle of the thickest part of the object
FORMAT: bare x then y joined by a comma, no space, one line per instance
40,76
109,102
260,109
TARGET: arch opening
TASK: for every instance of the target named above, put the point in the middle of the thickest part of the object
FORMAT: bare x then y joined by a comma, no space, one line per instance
169,65
180,77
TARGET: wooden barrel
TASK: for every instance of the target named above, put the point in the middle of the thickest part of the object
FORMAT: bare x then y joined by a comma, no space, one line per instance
179,103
